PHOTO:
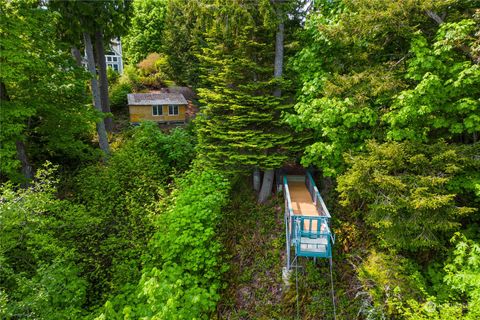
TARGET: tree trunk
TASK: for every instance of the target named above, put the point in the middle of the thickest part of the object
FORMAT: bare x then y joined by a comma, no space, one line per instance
76,55
102,133
256,180
20,146
278,67
22,156
267,185
102,75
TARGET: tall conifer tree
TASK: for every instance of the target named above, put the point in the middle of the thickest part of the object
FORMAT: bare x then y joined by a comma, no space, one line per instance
240,127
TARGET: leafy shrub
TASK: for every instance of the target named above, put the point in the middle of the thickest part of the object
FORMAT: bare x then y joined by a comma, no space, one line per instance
409,192
112,76
123,194
154,70
118,95
40,274
131,76
148,65
388,279
182,279
459,297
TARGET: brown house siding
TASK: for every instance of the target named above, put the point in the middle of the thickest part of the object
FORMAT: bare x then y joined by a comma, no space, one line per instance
138,113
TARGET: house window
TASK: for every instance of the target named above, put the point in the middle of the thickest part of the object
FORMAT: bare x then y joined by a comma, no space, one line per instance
109,59
172,110
115,67
114,59
157,110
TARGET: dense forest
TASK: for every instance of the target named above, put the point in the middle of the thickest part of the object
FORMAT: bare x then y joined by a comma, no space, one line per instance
100,219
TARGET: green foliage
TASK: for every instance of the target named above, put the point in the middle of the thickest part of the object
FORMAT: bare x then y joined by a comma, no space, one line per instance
131,76
183,38
124,196
461,283
112,76
146,32
253,245
44,104
40,277
388,279
110,17
463,272
240,126
360,82
60,257
446,99
187,284
182,279
154,70
407,193
118,95
349,71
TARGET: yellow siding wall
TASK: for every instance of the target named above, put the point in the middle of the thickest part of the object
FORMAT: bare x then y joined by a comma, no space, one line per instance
138,113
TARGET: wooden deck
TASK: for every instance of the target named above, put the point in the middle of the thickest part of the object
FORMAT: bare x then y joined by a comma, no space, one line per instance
302,203
301,199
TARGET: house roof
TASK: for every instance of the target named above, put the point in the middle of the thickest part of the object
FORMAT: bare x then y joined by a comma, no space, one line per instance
164,98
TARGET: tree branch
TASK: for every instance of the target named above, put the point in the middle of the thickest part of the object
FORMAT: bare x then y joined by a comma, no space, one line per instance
435,16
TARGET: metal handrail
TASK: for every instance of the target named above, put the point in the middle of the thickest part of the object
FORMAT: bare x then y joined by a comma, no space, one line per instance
288,214
316,197
287,196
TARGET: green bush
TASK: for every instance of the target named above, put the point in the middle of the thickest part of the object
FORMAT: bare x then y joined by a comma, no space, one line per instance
182,279
388,279
459,295
40,273
409,192
118,95
124,194
112,76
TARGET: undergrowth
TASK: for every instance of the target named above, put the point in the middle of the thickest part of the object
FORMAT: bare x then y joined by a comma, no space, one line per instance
254,239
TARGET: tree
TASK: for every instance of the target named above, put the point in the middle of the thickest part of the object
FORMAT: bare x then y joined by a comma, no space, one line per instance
146,32
241,128
267,183
97,100
445,101
409,193
112,20
104,20
44,113
183,38
351,69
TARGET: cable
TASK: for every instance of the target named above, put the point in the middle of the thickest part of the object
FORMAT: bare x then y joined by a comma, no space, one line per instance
333,291
296,285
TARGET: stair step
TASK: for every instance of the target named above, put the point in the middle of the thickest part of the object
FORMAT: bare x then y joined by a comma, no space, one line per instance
314,245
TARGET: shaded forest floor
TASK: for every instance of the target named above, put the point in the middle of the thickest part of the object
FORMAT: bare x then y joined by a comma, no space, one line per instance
253,236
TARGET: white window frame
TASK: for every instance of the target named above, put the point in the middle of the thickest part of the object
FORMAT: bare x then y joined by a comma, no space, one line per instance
157,108
173,107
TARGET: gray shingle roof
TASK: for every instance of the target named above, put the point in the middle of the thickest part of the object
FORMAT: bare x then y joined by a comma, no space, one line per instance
163,98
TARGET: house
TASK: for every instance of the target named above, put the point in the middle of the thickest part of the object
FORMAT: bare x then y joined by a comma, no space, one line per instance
113,56
161,107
